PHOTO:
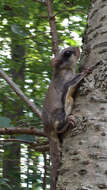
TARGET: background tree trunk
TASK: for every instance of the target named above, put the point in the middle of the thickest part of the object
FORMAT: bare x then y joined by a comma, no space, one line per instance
11,161
84,149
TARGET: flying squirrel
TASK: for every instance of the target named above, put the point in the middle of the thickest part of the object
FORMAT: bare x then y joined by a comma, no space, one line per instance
57,107
54,111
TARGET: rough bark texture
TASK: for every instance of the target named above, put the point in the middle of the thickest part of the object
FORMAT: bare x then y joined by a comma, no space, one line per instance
84,150
19,130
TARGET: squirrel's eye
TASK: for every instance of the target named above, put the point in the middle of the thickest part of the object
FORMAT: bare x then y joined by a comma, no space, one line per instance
67,53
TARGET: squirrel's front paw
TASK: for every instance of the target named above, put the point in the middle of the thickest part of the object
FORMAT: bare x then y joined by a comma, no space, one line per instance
71,120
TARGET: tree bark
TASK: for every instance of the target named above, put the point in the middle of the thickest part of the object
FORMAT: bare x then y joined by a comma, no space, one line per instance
52,23
19,130
84,149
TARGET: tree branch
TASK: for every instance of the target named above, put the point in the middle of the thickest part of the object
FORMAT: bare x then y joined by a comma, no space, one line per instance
17,140
31,144
15,87
11,131
52,23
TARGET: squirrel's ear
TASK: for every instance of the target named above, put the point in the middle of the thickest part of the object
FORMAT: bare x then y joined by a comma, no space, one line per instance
55,62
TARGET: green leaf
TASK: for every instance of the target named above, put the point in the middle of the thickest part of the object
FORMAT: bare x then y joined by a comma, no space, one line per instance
18,30
5,122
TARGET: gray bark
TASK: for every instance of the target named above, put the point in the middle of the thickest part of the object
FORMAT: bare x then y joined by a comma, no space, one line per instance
84,149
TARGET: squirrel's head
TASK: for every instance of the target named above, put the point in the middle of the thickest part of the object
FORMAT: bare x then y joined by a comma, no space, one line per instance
66,59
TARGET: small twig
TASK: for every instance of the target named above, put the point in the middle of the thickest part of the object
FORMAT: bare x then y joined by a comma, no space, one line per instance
15,87
31,144
19,141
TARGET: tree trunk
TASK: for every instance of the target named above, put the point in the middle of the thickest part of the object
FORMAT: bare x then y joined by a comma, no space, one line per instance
84,149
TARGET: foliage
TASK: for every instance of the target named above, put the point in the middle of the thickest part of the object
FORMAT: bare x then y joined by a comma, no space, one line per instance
5,122
4,184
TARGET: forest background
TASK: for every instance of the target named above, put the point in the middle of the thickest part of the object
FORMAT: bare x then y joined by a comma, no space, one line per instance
30,34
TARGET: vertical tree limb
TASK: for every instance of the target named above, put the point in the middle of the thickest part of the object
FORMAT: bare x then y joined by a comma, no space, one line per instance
52,23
